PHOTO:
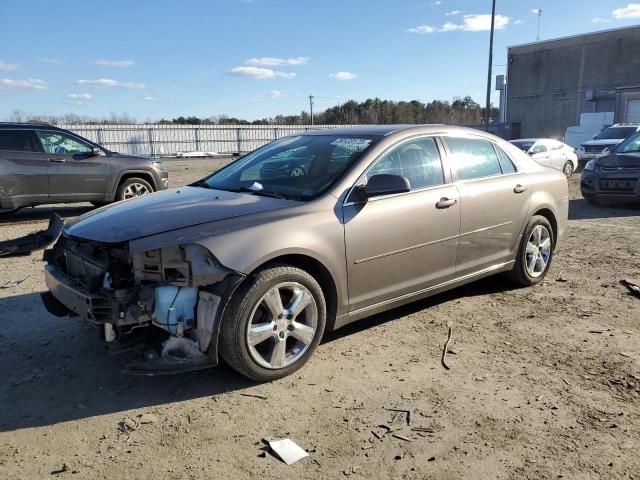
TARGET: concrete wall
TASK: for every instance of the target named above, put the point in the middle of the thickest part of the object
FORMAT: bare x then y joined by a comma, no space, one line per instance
548,81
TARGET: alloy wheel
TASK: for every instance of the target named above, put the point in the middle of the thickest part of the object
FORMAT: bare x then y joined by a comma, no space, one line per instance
282,325
135,190
538,251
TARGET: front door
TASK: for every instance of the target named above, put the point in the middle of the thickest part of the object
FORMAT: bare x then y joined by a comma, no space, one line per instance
23,169
75,173
399,244
494,203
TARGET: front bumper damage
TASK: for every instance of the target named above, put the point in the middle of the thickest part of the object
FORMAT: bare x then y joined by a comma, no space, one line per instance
168,302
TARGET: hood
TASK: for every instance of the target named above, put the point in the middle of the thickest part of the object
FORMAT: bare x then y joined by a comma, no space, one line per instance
622,160
166,211
603,143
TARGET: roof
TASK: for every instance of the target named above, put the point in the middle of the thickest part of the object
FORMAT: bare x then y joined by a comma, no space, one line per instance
593,36
386,130
19,126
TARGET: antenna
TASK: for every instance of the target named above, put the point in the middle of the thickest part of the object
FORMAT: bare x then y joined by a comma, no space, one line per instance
539,13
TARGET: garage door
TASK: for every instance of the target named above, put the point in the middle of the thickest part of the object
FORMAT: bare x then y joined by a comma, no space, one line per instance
633,111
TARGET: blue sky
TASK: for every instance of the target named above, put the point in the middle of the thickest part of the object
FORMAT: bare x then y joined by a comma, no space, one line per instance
258,58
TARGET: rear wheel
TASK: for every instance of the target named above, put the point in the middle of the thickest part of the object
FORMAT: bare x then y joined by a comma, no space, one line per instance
568,168
535,252
133,187
273,323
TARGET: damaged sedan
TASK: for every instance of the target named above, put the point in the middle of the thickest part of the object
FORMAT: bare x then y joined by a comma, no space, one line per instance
254,264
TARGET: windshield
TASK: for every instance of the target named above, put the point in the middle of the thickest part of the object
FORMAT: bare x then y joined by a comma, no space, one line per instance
299,167
523,145
631,144
613,133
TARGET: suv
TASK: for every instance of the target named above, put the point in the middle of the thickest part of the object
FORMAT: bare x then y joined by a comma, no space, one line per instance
40,163
607,139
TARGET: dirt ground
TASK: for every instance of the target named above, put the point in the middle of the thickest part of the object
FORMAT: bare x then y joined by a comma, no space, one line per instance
544,381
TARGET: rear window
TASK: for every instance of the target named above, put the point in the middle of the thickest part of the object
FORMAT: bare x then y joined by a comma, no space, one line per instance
17,141
523,145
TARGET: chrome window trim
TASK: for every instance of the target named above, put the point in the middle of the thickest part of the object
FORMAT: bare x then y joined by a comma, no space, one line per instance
444,183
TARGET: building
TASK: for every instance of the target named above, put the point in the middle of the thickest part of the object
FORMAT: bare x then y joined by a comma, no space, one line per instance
552,83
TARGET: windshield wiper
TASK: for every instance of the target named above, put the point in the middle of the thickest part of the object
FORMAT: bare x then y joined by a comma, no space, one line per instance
201,183
262,193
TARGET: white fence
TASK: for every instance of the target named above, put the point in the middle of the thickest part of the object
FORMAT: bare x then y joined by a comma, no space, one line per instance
173,139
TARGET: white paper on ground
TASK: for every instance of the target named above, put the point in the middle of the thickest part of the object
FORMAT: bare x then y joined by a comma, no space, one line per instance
287,450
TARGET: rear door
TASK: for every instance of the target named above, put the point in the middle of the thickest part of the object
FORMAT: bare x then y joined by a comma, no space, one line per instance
494,202
75,172
23,169
401,243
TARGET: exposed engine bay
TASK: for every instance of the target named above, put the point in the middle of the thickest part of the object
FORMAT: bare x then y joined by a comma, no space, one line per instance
169,300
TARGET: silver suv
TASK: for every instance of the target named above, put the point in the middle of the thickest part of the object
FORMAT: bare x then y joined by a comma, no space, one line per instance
606,140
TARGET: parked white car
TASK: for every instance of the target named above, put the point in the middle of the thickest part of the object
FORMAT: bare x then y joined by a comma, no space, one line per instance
550,153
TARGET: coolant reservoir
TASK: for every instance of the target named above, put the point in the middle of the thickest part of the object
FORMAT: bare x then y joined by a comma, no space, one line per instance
174,305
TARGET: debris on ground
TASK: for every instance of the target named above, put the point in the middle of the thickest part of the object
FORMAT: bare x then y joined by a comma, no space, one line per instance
147,418
445,349
254,395
633,288
14,283
287,450
63,469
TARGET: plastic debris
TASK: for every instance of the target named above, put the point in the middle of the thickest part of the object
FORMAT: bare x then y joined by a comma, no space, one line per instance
287,450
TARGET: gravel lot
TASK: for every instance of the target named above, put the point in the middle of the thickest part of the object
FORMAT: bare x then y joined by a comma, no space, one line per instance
544,381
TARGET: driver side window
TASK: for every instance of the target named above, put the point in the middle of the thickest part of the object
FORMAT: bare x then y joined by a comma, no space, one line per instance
539,148
61,143
417,160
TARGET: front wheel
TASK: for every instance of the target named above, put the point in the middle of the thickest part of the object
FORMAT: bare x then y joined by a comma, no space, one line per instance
133,187
535,252
568,168
273,323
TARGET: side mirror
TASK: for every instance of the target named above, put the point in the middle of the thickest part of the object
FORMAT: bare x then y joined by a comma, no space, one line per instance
97,151
383,184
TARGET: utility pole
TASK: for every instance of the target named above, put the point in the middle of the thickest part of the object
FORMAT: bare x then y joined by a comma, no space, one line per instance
488,104
311,107
539,12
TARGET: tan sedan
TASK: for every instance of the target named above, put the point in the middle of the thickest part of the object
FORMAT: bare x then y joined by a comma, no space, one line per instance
306,234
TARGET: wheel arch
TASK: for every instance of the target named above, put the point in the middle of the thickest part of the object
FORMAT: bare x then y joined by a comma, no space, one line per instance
317,270
551,218
127,174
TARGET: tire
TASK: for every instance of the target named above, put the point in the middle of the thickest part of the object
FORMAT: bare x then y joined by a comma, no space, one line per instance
128,187
271,334
568,169
521,273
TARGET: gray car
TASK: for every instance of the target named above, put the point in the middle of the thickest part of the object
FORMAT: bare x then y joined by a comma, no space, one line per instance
42,164
614,177
256,268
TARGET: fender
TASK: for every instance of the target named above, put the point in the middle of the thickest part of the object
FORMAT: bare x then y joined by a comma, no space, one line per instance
122,173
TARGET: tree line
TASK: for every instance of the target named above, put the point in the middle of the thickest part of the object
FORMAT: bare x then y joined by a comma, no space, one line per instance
460,111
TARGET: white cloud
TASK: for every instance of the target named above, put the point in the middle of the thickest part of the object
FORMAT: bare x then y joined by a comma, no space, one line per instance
437,2
518,22
8,67
276,62
260,73
600,20
344,75
30,84
454,12
421,29
476,23
109,83
536,11
273,94
79,96
150,98
632,10
54,61
113,63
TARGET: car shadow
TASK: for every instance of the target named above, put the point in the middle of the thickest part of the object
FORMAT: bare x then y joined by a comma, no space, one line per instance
580,209
29,214
59,369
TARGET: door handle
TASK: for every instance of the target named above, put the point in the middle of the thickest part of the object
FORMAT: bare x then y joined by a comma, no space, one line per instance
445,202
519,189
57,160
